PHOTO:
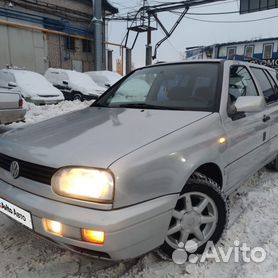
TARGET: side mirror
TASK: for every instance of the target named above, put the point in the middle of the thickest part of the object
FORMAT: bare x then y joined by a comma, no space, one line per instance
250,104
12,84
65,82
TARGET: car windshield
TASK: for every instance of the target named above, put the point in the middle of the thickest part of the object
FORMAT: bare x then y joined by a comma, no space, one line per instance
188,86
82,80
31,80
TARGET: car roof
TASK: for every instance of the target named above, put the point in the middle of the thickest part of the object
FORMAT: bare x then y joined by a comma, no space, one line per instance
238,62
18,70
60,70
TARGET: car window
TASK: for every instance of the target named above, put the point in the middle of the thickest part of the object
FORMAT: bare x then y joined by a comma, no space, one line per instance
56,77
274,75
190,86
268,88
63,76
100,79
241,84
134,91
7,76
273,84
52,76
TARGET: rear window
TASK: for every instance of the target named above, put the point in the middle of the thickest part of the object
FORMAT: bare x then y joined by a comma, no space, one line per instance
6,76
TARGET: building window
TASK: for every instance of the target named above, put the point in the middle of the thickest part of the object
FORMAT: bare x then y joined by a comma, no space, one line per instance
268,48
231,53
69,43
249,52
86,46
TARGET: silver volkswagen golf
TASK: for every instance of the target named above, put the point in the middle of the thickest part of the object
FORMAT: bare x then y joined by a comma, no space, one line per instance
149,164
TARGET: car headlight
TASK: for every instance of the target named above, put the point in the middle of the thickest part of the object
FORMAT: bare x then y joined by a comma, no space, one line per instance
84,184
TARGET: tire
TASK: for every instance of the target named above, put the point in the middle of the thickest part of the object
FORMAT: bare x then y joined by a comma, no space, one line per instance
199,190
78,96
273,165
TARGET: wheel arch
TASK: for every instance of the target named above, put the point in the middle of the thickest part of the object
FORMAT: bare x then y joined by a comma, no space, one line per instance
212,171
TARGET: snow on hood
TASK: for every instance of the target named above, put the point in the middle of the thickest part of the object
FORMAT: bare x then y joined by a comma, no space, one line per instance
34,84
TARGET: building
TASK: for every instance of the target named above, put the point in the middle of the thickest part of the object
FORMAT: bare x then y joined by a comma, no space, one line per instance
262,51
37,34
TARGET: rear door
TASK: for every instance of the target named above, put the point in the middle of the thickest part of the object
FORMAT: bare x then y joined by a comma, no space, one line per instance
269,85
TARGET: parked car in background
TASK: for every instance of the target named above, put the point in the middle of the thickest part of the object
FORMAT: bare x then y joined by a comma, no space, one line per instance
104,78
34,87
11,105
74,85
149,168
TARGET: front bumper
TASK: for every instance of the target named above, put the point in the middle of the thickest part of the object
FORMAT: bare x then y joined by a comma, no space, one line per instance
8,116
129,232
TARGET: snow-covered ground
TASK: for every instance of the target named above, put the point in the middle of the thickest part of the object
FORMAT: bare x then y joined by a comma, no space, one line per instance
253,220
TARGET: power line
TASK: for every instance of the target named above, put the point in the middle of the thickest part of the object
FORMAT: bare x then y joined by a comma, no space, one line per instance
239,21
218,13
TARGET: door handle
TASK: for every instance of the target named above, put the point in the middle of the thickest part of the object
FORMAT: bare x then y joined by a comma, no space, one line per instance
266,118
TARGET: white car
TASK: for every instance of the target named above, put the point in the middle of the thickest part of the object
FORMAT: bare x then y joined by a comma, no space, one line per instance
74,85
33,86
104,78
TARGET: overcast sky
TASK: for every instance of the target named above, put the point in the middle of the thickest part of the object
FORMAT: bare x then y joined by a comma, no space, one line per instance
193,33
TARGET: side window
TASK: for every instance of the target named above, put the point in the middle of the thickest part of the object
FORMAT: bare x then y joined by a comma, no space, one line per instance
241,84
274,75
268,90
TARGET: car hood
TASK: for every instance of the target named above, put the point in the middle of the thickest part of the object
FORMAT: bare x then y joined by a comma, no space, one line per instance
33,91
94,136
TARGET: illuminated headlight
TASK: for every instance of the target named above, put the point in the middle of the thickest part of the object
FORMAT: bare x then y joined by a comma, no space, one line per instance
84,184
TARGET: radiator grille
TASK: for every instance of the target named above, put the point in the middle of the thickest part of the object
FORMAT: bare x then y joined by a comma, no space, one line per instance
29,170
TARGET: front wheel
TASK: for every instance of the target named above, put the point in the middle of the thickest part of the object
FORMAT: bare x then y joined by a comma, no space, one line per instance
77,96
200,215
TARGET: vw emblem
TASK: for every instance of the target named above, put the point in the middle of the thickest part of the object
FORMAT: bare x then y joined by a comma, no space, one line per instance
14,169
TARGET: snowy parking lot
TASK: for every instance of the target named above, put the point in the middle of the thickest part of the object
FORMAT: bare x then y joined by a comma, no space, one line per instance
253,220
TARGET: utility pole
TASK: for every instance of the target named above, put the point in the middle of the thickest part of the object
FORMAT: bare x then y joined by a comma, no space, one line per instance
149,49
142,21
98,33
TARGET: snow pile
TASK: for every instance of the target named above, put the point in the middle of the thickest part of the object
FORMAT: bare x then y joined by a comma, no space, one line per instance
253,220
40,113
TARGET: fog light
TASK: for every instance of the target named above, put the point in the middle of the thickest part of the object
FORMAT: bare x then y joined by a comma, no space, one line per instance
53,227
96,237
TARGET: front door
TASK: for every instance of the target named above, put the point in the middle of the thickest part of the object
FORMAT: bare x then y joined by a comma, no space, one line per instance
247,133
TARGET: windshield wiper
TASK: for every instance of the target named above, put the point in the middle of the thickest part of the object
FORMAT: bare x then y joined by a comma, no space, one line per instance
137,105
147,106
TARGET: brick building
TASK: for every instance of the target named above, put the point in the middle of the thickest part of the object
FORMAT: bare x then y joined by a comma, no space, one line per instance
37,34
